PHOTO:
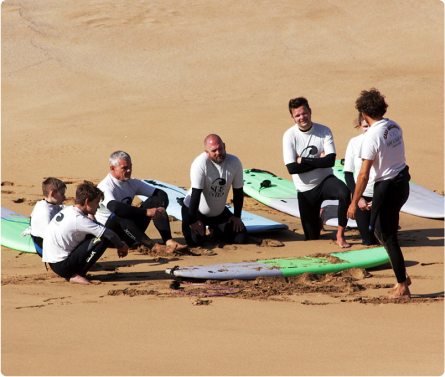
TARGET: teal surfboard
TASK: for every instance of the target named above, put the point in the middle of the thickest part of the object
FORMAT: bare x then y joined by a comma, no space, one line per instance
280,193
13,224
366,258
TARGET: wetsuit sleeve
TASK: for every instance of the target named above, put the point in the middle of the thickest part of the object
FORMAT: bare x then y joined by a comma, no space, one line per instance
194,204
114,238
125,211
350,182
327,161
295,168
238,201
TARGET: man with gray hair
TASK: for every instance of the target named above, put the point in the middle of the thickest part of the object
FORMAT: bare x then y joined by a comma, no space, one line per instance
129,222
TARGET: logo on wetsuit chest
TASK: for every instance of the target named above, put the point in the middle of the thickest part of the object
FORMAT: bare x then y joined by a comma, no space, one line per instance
127,200
218,188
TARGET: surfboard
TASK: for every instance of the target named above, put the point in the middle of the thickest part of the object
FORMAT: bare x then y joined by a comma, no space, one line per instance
366,258
253,223
280,193
13,224
421,202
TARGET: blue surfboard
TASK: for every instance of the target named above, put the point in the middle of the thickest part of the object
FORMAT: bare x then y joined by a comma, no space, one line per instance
253,223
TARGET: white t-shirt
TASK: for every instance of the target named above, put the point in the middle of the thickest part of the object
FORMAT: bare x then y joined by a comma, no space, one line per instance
65,232
312,143
353,163
41,215
215,181
383,144
123,192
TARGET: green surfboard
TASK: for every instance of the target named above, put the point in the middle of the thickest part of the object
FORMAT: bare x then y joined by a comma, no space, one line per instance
13,224
280,193
323,264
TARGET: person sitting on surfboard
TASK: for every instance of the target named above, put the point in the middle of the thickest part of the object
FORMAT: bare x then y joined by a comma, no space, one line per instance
351,168
383,151
54,195
73,242
212,175
129,222
309,155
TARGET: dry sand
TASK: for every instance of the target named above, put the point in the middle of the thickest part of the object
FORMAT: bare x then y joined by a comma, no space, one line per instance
81,79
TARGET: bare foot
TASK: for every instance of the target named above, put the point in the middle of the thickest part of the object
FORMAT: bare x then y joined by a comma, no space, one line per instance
77,279
402,291
407,281
342,243
341,237
175,247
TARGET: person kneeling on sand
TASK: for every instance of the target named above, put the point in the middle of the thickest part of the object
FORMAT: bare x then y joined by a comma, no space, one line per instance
212,175
309,155
73,242
129,222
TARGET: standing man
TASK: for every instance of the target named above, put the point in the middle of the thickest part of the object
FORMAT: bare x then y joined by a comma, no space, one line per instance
117,213
309,155
383,151
212,174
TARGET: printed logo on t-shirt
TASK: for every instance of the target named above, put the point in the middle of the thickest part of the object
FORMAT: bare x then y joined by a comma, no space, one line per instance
389,128
311,151
395,137
60,217
217,188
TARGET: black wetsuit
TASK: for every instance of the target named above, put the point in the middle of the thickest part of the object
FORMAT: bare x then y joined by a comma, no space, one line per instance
222,229
130,222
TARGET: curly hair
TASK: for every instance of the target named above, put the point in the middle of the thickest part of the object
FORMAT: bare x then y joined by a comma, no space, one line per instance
87,190
371,103
295,103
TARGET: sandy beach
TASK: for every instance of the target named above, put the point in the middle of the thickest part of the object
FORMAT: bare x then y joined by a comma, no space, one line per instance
153,78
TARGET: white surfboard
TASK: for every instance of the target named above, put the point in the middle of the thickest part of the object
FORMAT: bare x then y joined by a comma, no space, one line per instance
424,203
253,223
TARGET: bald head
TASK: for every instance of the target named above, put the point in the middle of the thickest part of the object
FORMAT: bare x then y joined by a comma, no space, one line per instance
212,139
215,148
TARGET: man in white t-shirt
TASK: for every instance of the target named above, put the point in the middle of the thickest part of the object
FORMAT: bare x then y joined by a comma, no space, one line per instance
309,155
116,211
73,242
383,151
212,175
